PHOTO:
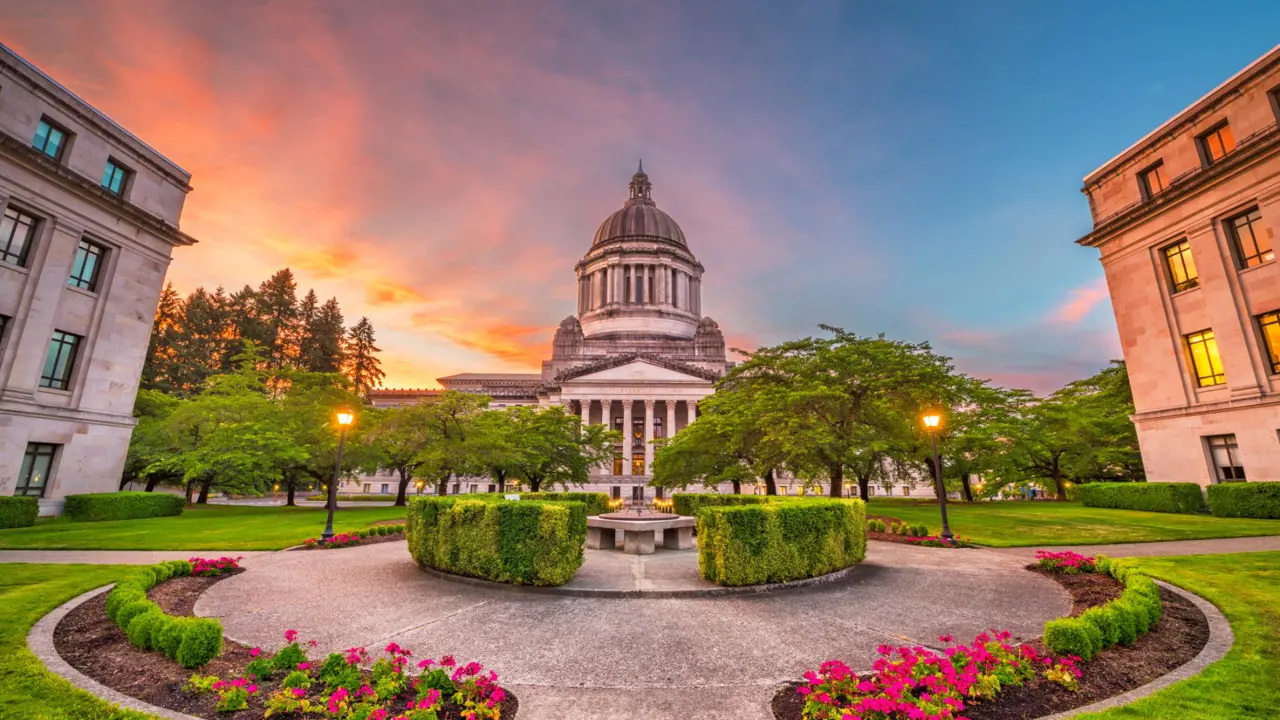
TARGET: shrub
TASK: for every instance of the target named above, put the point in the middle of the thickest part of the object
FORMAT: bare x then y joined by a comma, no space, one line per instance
143,627
1104,619
1242,499
96,507
1152,497
201,642
530,542
920,530
1070,636
689,503
1126,624
171,632
755,544
597,503
17,512
288,657
127,605
129,611
438,679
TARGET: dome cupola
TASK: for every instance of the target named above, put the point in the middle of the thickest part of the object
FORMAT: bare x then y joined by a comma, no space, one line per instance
639,217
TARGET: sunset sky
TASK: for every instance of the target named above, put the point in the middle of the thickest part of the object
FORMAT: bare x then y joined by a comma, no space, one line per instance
906,168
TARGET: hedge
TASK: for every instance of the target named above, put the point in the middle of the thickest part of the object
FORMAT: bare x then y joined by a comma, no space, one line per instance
688,503
193,642
1122,620
759,543
1245,499
597,503
1149,496
96,507
17,512
530,542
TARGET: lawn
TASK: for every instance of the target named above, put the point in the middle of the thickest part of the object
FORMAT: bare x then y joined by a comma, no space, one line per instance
1020,524
27,690
212,527
1246,683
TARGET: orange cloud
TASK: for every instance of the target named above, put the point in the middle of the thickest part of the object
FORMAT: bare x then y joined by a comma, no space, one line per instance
1081,302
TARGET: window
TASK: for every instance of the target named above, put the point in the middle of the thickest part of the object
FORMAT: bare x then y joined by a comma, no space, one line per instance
616,492
384,489
662,495
637,465
1182,267
1205,361
1225,455
87,266
1216,143
366,488
61,361
617,464
782,489
4,325
906,490
37,463
115,177
17,230
493,488
1274,96
457,488
1253,245
637,492
50,139
1269,324
1152,180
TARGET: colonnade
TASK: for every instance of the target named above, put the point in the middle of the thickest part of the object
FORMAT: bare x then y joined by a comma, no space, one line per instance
629,440
639,284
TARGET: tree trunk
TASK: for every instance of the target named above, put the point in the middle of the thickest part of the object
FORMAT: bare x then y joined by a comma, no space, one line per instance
534,484
737,487
837,480
442,486
502,481
152,481
864,488
204,492
1062,490
965,490
124,480
404,487
290,485
770,485
191,485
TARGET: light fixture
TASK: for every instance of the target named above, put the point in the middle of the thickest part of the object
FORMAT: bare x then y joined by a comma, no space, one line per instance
345,417
931,420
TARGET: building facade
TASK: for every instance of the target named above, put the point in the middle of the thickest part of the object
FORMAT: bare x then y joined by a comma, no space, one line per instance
1186,221
90,220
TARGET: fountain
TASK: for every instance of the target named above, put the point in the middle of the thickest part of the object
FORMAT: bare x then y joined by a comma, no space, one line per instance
639,522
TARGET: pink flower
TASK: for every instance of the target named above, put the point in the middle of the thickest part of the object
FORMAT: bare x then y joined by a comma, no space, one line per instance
448,661
311,643
255,652
426,663
298,692
290,635
304,666
251,689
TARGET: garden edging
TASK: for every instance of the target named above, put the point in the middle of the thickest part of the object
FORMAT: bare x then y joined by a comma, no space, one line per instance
40,642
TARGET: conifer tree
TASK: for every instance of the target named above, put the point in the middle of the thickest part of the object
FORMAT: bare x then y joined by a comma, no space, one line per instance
275,307
200,343
322,349
361,365
158,369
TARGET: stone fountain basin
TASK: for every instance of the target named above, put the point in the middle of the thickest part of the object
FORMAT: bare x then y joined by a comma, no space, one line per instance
639,531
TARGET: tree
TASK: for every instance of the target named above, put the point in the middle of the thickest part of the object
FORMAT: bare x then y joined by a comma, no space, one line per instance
309,404
200,342
555,449
150,443
728,443
496,445
400,436
322,338
157,371
452,419
362,365
275,308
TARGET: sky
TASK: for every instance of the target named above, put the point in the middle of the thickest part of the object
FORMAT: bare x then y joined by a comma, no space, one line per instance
912,169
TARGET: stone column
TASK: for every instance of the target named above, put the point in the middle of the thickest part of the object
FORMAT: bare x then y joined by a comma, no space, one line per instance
670,429
660,297
586,411
648,436
692,407
626,436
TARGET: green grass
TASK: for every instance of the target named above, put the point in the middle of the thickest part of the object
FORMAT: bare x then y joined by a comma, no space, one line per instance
213,527
27,690
1020,524
1246,683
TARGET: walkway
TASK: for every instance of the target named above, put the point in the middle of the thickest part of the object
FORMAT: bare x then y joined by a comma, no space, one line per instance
1168,547
115,557
580,657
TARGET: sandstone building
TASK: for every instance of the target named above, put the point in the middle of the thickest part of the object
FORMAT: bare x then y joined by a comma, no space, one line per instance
90,220
1186,222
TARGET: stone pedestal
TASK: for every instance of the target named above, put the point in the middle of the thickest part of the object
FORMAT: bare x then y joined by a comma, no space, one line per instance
637,542
601,538
678,538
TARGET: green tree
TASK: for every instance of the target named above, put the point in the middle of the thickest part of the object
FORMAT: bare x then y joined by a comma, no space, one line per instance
150,442
275,308
497,445
362,365
400,437
452,420
322,338
162,356
556,450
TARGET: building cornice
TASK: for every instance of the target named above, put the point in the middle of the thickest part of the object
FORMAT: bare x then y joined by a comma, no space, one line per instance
620,360
1239,403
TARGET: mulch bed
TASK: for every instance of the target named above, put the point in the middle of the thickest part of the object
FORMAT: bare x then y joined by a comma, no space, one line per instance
91,643
1181,633
366,541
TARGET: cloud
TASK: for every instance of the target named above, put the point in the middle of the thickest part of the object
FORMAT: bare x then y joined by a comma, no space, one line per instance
1080,303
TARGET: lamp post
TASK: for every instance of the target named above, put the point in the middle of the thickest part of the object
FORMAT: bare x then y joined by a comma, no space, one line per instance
344,419
932,420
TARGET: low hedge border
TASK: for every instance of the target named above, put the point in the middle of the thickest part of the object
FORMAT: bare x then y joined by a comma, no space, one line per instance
1149,496
191,641
1121,621
99,507
1245,500
18,512
529,542
597,503
775,542
689,503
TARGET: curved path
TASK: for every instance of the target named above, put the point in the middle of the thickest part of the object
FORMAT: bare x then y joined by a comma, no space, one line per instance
572,657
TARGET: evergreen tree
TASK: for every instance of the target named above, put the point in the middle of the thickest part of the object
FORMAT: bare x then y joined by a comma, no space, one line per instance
322,338
275,308
158,369
243,325
200,343
361,365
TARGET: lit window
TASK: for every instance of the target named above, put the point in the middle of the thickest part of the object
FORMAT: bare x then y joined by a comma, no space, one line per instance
50,139
1152,180
1226,458
1270,326
37,463
1216,143
1253,245
637,465
1205,360
617,464
17,229
87,266
60,363
114,177
1182,267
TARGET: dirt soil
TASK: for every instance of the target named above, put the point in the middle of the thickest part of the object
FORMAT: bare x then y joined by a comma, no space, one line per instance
1179,636
91,643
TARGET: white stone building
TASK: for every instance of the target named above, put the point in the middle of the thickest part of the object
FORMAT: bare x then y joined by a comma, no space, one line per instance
90,220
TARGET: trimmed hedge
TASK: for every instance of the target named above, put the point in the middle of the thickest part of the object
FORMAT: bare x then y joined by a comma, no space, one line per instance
760,543
193,642
1121,621
18,512
597,503
688,503
96,507
529,542
1149,496
1245,499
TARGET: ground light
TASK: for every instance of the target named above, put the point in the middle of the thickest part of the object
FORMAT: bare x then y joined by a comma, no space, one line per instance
345,417
932,421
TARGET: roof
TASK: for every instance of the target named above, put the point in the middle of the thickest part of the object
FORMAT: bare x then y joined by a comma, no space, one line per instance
511,377
639,218
1188,114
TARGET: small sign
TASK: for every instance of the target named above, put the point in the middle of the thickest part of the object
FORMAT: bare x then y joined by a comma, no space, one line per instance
512,497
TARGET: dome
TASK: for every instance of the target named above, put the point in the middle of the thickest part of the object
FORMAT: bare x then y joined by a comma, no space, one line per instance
639,218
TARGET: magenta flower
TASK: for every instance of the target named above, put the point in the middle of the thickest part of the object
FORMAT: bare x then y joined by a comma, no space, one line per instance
290,635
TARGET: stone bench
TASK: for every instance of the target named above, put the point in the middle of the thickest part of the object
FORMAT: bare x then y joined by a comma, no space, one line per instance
638,535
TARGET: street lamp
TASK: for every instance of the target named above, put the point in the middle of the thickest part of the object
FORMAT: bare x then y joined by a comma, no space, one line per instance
344,419
932,420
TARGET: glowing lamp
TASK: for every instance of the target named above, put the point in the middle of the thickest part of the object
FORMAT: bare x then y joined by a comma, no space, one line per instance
931,420
345,417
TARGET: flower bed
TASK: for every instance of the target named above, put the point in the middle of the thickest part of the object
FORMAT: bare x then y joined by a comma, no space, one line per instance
213,567
367,536
1067,562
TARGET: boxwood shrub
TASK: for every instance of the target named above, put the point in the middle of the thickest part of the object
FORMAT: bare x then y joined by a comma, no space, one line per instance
17,512
1122,620
529,542
597,503
95,507
759,543
193,642
688,503
1245,499
1149,496
1072,636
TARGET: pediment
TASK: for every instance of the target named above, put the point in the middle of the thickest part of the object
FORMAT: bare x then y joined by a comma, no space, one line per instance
639,371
